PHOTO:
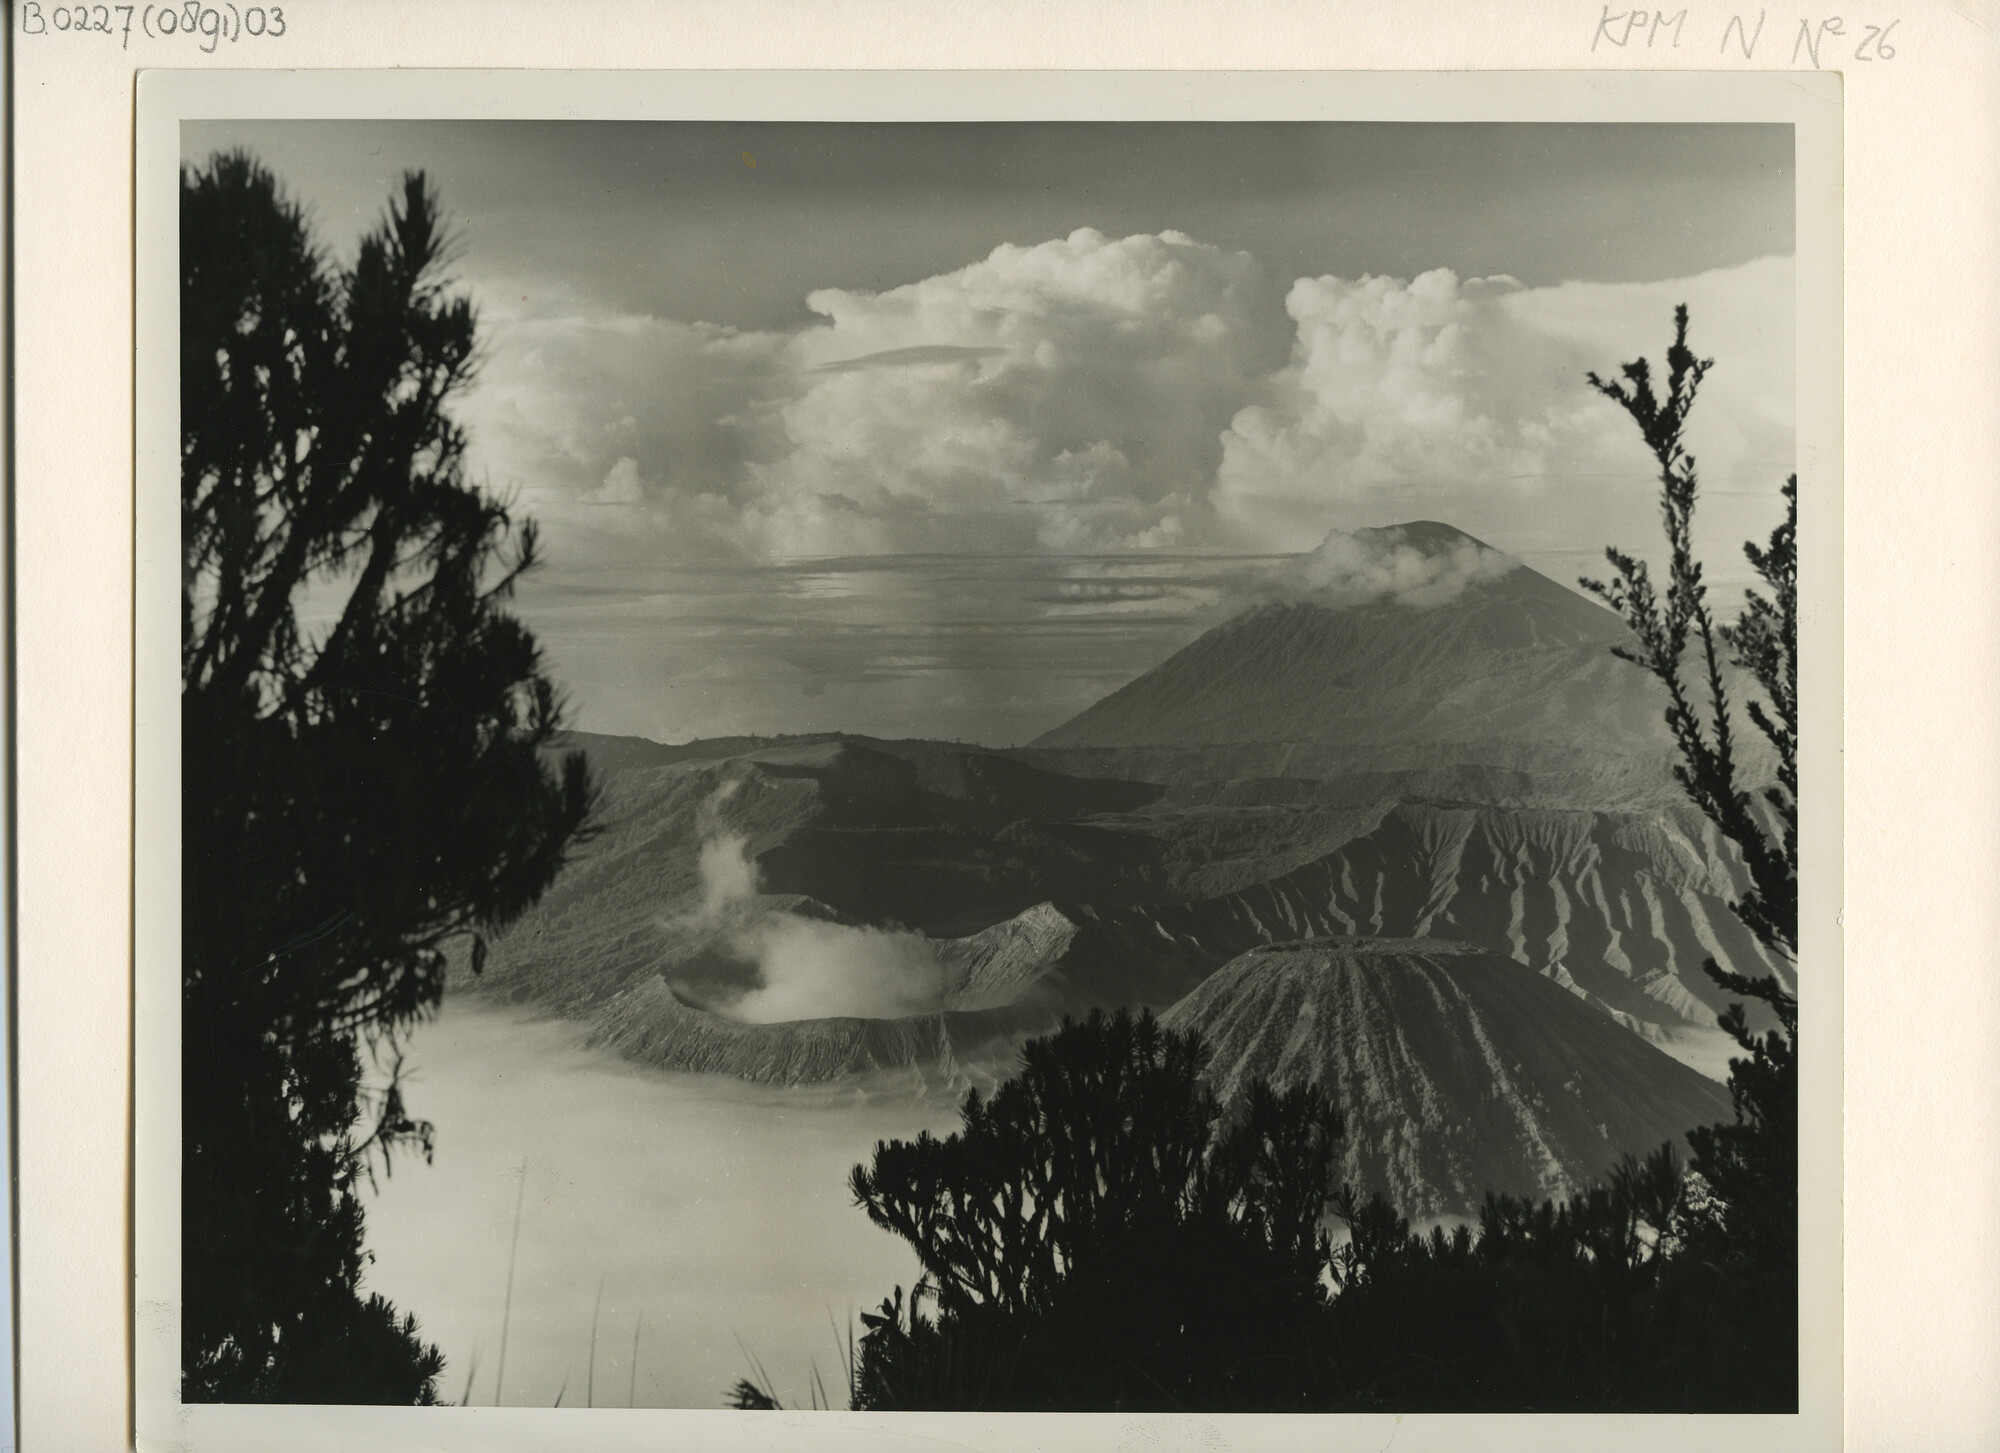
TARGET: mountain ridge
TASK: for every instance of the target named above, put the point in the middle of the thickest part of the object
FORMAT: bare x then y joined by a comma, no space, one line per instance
1428,749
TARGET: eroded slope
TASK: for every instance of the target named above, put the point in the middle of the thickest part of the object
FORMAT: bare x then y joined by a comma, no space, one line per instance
1457,1071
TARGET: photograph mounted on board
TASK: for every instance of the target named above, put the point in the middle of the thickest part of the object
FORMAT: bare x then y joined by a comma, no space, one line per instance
996,766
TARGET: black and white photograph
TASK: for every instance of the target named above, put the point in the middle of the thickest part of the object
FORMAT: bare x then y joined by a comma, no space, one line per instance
1140,766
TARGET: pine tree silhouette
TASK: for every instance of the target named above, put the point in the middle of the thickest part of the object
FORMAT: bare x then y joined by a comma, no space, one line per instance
363,774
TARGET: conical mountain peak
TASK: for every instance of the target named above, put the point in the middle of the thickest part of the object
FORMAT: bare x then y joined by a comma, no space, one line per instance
1427,535
1417,632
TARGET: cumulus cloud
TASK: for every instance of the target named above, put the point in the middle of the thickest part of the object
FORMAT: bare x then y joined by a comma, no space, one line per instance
621,485
1097,394
1068,396
1454,391
808,968
627,434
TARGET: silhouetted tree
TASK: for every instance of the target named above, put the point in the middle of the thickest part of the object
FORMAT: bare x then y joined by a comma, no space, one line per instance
363,780
1745,1245
1099,1235
1682,644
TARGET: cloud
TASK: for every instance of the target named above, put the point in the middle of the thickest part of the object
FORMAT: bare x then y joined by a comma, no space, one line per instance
1389,565
1472,393
903,357
1094,394
621,485
971,505
1068,396
627,436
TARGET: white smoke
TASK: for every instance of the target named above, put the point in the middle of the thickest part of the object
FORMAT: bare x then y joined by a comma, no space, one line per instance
817,970
809,968
1386,566
727,874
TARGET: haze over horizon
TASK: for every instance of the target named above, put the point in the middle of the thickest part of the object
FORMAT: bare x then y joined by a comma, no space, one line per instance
950,431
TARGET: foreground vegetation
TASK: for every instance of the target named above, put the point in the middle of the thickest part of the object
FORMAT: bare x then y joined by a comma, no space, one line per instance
357,791
1102,1236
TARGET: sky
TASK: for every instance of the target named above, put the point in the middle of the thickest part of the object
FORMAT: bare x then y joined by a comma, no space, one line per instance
949,430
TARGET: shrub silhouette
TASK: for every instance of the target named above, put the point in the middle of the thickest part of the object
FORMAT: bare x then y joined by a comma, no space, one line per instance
1099,1235
363,777
1542,1306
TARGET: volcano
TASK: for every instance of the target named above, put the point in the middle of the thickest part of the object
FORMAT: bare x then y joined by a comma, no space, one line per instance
1510,657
